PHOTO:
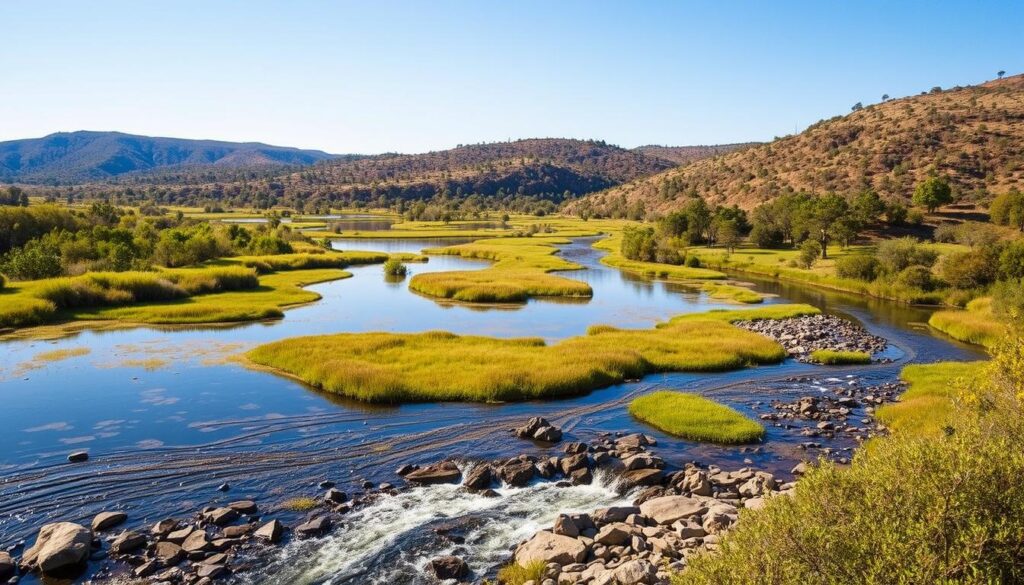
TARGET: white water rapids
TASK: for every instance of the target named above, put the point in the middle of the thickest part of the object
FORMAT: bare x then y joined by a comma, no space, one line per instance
391,541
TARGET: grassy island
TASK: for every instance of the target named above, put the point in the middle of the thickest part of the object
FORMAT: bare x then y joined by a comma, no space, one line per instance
441,366
694,417
831,357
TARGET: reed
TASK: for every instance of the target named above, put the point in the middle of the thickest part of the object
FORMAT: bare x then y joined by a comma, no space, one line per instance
977,324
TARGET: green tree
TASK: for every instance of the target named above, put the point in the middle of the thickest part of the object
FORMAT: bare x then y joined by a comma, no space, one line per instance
822,217
932,193
1008,209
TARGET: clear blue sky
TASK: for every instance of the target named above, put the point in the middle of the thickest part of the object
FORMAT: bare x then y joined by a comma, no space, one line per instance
412,76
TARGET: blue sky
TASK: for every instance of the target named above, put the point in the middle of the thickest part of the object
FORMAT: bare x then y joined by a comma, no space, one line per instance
378,76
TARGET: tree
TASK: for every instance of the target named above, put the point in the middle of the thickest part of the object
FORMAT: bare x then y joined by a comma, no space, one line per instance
1000,73
728,233
821,219
1008,209
885,97
932,193
857,106
867,207
809,251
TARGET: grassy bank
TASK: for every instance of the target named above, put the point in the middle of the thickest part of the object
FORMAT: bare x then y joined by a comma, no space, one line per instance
613,245
836,358
924,409
695,418
309,261
521,270
440,366
977,324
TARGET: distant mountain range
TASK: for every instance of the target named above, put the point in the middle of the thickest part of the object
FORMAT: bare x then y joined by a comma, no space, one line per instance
973,136
73,157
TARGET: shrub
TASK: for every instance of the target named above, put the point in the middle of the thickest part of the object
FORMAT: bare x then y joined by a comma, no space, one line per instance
692,261
1008,209
860,266
897,254
1011,261
946,233
968,269
766,236
36,259
932,193
1008,297
809,252
915,218
916,277
834,358
516,574
394,267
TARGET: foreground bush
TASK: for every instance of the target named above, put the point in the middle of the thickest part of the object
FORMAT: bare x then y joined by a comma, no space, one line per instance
695,418
938,508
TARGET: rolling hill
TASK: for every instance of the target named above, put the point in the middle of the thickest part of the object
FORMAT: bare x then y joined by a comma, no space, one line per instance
973,135
77,157
682,155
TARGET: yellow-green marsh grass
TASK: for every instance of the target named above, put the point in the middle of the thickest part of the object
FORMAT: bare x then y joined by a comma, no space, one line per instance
731,292
441,366
695,418
521,270
516,574
309,260
928,402
832,357
977,324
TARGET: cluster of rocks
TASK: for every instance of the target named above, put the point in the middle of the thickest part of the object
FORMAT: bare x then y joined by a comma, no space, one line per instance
803,335
848,411
648,541
539,429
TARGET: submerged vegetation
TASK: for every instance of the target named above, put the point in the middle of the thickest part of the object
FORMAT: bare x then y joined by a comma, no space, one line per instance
440,366
695,418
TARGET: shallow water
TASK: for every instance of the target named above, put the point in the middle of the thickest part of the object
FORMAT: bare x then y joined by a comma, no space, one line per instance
167,416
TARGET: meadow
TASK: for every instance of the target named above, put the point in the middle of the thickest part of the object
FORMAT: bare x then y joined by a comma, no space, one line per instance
441,366
695,418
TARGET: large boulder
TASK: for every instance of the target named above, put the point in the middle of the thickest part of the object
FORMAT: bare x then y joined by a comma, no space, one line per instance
479,478
449,568
636,571
516,473
270,532
444,472
668,509
539,429
551,548
61,545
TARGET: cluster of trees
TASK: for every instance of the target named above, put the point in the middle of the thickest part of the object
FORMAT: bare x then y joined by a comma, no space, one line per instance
45,241
695,224
13,196
1008,209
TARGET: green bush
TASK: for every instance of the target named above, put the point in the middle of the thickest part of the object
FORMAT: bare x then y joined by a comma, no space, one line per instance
937,509
896,255
860,266
916,277
692,261
809,252
1008,297
36,259
968,270
394,267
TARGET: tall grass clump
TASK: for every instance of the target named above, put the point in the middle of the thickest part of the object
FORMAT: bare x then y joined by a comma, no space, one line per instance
695,418
516,574
310,260
441,366
944,507
831,357
394,267
977,324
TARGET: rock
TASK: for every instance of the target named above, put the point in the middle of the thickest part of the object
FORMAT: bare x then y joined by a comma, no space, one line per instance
78,456
179,536
210,571
551,548
696,482
479,478
168,553
335,496
196,542
716,522
246,507
221,516
147,568
574,462
642,477
127,542
60,545
613,534
402,471
632,442
315,527
548,434
800,469
581,477
669,509
449,568
565,526
516,473
575,448
270,532
106,520
636,571
237,531
7,567
164,527
531,427
445,472
327,484
614,514
223,487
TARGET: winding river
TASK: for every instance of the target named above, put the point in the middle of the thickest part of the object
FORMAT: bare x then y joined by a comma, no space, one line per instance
167,416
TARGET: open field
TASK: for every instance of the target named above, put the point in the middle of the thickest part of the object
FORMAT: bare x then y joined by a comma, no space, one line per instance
441,366
695,418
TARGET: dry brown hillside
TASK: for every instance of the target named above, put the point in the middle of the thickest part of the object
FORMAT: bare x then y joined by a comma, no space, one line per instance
972,135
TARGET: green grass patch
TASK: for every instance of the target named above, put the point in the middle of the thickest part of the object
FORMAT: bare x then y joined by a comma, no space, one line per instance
441,366
300,504
309,260
516,574
832,357
925,408
977,324
731,292
520,271
695,418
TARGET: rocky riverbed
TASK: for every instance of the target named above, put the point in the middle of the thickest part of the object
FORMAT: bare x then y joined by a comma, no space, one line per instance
803,335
